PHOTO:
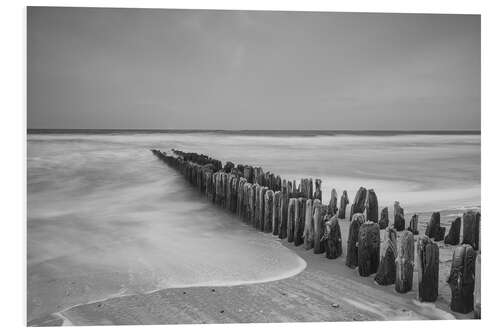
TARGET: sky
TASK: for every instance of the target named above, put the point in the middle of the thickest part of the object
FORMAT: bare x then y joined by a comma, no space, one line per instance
107,68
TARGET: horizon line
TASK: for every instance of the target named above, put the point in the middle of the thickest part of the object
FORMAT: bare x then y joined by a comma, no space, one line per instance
252,130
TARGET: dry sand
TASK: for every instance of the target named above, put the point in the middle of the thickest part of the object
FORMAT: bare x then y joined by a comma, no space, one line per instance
326,290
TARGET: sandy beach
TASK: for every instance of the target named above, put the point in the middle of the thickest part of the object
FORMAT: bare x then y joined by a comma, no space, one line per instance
326,290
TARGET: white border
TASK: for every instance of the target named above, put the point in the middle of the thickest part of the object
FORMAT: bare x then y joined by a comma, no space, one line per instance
13,141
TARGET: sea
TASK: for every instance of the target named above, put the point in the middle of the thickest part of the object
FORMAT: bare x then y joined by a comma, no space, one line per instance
106,218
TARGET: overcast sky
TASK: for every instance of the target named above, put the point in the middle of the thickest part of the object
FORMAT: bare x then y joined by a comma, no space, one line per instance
179,69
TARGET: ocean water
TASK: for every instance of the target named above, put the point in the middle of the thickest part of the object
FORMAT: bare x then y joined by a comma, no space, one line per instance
107,218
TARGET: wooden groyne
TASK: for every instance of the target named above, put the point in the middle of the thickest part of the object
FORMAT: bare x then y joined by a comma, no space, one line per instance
294,211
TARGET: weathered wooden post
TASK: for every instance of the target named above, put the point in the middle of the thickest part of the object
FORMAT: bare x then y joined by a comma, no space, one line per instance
284,210
240,198
228,167
461,279
471,229
368,248
344,201
298,230
477,287
210,187
244,202
308,188
319,226
453,237
235,189
276,213
218,188
268,211
309,226
351,259
404,263
262,202
291,219
252,204
225,180
371,206
413,227
317,190
358,206
256,216
228,190
386,273
258,175
248,173
384,218
477,231
333,238
428,269
332,205
434,229
399,217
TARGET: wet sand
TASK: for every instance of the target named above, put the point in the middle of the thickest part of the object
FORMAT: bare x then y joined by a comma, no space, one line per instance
326,290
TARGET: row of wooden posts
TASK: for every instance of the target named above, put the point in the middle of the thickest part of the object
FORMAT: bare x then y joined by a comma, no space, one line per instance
295,212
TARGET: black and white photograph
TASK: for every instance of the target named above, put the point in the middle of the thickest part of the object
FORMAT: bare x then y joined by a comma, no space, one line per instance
213,166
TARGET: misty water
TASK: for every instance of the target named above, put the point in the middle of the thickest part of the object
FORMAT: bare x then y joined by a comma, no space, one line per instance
107,218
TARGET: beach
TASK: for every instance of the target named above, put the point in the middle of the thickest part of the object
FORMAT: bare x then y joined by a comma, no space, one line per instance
116,237
326,290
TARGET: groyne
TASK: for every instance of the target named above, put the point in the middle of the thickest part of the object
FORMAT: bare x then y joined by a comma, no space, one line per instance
294,211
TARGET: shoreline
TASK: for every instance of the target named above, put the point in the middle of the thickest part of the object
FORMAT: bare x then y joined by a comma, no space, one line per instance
326,290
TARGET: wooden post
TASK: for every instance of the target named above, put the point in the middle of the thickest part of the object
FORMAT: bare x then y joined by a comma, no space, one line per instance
477,287
413,227
317,191
344,201
453,237
284,210
351,259
428,269
268,211
240,198
235,187
215,176
256,215
461,279
368,248
399,217
386,273
224,195
477,231
262,203
218,188
434,229
358,206
471,222
298,231
244,207
333,238
210,186
291,219
276,213
371,206
229,191
248,173
319,223
332,205
309,226
253,204
404,263
258,175
384,218
309,188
